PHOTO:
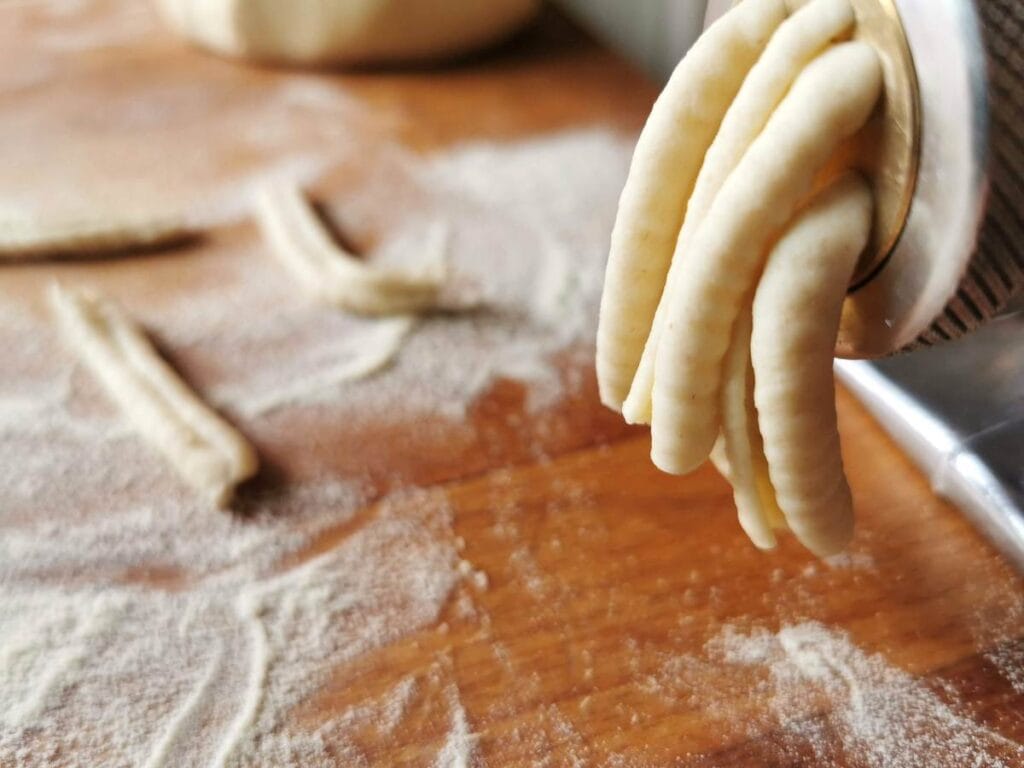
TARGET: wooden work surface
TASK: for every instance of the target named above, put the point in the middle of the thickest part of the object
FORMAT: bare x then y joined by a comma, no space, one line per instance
625,567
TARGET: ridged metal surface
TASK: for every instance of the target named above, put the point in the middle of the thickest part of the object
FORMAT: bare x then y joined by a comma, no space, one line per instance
996,270
958,412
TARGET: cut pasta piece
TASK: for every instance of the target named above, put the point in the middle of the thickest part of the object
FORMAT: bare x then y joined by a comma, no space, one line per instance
301,241
740,441
668,156
829,102
208,453
31,238
797,41
796,319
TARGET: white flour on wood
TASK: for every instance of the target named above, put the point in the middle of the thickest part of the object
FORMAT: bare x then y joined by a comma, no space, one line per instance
207,674
140,627
460,746
808,695
537,282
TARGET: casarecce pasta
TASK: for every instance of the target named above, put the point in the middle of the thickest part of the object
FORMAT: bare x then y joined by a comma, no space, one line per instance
732,346
799,39
665,165
796,318
208,453
302,243
741,446
831,99
29,238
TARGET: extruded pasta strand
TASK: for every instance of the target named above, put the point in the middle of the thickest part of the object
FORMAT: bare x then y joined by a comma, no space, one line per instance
796,315
302,243
740,443
665,165
31,238
208,453
829,102
799,39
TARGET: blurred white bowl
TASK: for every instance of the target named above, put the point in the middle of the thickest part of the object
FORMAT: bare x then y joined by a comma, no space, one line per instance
345,31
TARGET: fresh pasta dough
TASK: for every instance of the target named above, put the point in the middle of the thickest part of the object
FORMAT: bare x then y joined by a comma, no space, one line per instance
302,243
742,448
796,313
33,238
665,165
798,40
724,356
830,100
208,453
345,31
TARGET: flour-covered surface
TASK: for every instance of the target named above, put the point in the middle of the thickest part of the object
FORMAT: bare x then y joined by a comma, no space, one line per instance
453,555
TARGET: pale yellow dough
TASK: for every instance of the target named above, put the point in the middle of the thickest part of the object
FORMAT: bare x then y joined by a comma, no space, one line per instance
208,453
299,239
741,446
35,238
797,41
796,319
830,101
665,165
724,356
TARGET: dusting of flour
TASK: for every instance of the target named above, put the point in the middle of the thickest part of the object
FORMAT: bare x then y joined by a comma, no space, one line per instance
875,715
527,230
139,627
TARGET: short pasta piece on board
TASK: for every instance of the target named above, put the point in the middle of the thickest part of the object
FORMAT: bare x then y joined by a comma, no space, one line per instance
208,453
302,243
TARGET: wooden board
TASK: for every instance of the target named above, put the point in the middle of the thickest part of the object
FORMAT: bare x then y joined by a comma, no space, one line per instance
601,569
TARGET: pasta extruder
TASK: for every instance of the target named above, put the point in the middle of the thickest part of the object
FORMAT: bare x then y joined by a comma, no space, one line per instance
942,280
948,254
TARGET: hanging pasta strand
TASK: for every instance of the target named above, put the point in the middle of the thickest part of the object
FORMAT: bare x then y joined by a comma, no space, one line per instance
665,165
755,203
724,356
802,37
796,315
740,443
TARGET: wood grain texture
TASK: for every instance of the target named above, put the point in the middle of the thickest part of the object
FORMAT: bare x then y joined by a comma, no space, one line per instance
600,569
